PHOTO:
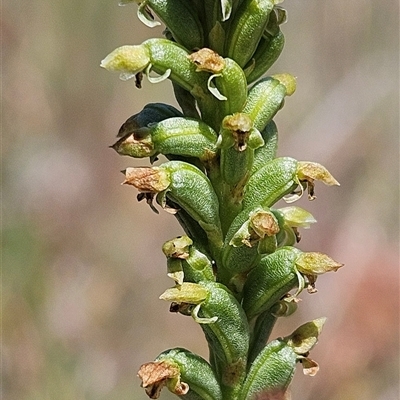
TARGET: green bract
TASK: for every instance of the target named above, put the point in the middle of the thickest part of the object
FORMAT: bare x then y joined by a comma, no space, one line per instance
246,29
172,136
181,19
270,373
214,167
269,48
184,373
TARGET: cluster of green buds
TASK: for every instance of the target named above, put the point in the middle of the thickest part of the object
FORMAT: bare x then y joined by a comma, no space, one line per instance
236,270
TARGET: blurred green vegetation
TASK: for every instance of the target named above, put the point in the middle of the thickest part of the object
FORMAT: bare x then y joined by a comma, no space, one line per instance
82,261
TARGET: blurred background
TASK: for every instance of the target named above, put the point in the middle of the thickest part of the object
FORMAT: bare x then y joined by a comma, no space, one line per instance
82,260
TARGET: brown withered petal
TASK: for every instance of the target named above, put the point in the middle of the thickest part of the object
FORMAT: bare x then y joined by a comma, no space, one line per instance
147,179
239,125
207,60
264,223
154,376
310,171
310,367
237,122
311,289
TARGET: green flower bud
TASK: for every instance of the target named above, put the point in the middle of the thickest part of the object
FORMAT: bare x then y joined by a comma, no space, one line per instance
195,372
229,80
173,136
163,56
271,372
259,224
238,142
269,48
187,182
271,280
236,132
246,29
228,336
170,60
178,247
183,373
271,182
186,262
182,21
181,183
224,324
247,232
177,250
265,99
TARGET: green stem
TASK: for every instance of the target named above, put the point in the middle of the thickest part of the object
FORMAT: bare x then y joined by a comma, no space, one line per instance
259,336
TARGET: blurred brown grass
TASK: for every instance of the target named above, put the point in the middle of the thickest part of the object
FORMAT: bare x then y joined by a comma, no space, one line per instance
82,261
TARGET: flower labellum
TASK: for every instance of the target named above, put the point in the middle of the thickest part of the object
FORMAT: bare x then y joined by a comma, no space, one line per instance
128,60
147,179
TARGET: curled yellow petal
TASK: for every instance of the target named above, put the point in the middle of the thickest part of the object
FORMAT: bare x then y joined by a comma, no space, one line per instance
310,171
305,337
297,217
314,263
129,60
188,292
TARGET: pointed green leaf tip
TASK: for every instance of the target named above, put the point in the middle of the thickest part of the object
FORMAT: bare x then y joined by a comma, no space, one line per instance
129,60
